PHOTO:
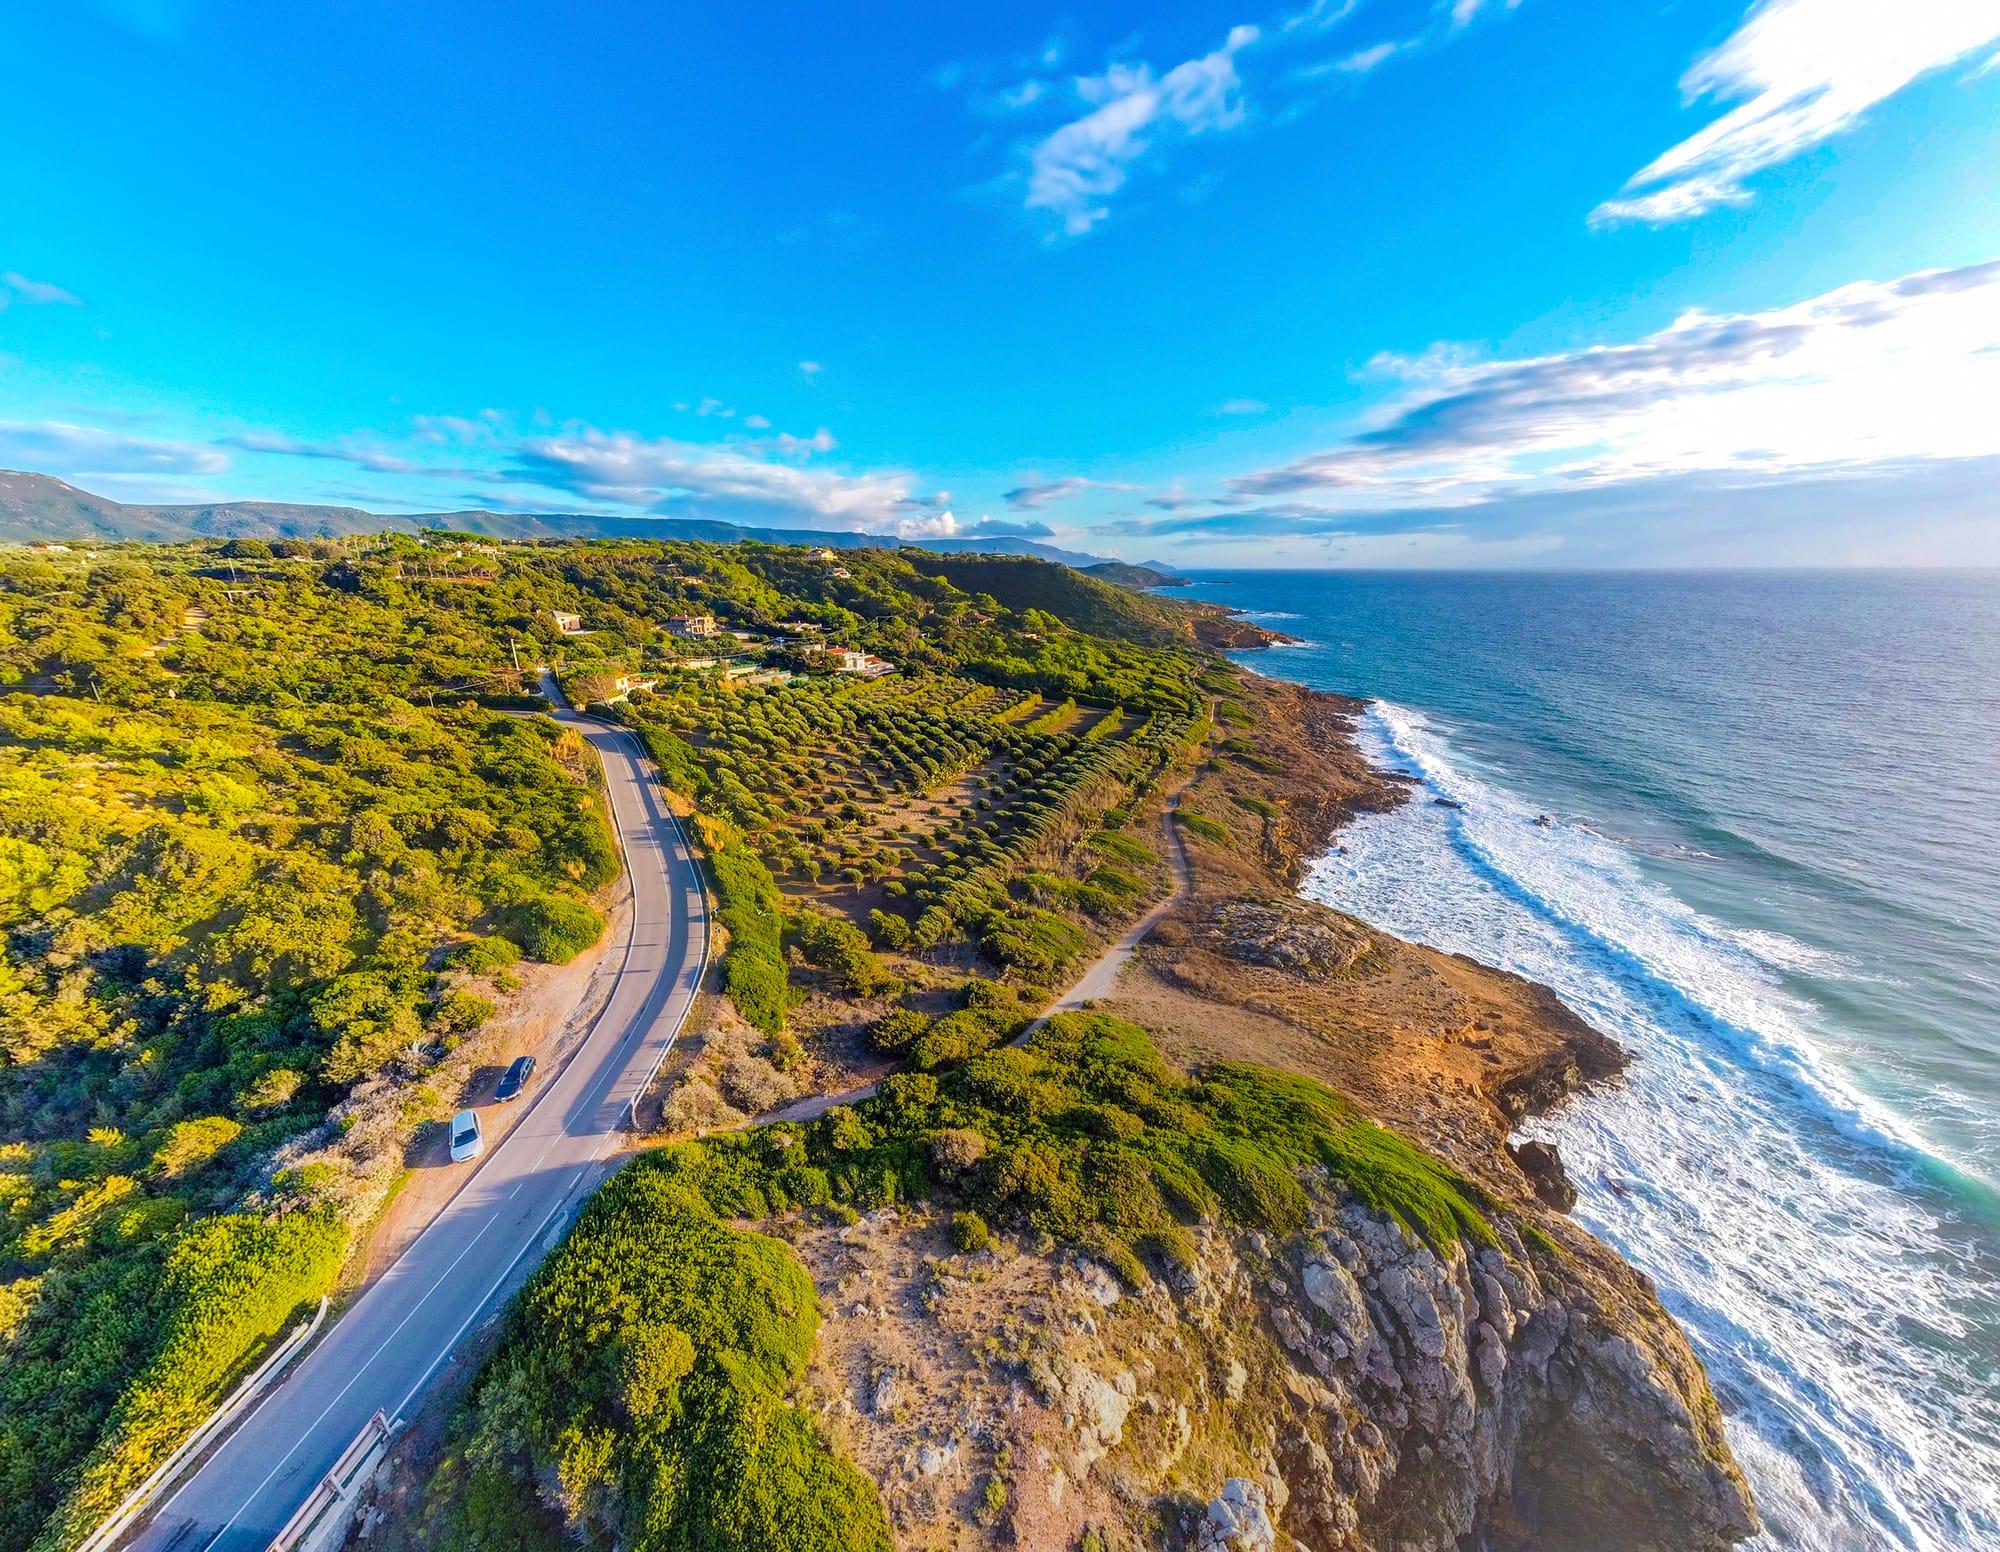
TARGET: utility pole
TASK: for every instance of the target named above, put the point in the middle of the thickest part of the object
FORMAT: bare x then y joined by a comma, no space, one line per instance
511,647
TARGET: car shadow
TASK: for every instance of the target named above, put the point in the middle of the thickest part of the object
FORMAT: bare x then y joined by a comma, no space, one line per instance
480,1083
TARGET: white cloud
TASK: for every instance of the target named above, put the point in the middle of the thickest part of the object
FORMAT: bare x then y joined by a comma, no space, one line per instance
1872,375
1361,61
77,452
1808,69
941,525
732,482
810,369
486,427
15,287
1241,407
785,445
373,459
756,423
1035,495
1024,95
1320,16
1074,170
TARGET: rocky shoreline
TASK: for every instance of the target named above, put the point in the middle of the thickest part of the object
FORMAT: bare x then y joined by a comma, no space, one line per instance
1532,1395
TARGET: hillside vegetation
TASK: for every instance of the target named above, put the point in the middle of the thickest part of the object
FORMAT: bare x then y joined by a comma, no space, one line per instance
273,831
640,1399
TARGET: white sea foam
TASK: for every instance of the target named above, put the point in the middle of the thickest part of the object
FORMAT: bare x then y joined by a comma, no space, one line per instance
1788,953
1780,1211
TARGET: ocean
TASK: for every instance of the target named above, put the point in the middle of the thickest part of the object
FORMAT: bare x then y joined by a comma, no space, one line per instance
1770,869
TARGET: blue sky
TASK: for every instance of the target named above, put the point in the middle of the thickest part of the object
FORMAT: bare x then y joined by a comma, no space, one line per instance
1349,282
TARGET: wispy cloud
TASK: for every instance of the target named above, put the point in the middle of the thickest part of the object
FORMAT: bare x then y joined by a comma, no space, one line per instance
1361,61
1241,407
15,287
1038,495
374,459
1872,374
810,369
731,481
1132,114
78,452
1075,169
1807,70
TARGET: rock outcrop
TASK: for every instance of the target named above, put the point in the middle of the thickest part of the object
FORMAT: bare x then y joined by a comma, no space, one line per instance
1237,1520
1520,1397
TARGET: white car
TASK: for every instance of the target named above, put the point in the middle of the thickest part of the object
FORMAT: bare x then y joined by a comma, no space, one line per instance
467,1141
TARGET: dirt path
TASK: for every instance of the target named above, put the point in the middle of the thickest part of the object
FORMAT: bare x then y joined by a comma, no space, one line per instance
1093,985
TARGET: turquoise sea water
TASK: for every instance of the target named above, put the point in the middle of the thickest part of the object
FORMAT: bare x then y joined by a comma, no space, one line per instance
1771,869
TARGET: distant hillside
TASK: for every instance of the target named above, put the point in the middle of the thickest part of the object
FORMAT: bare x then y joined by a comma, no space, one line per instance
39,508
1084,599
1139,578
1085,602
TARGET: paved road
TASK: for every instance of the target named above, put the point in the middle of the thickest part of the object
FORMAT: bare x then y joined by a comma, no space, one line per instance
385,1349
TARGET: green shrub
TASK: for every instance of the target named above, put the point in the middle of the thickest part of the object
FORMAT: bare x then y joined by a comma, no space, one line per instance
1087,1135
959,1035
461,1013
554,928
969,1231
1200,824
987,994
890,930
1122,848
366,1019
1037,941
1262,808
896,1033
230,1284
477,955
750,907
190,1144
841,949
644,1369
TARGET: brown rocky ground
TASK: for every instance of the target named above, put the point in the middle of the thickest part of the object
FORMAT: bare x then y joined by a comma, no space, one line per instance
1348,1388
1443,1049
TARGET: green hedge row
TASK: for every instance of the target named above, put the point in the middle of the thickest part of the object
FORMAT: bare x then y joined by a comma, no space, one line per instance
750,907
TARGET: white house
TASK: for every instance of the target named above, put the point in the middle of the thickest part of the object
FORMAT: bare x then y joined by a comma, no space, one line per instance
568,624
692,627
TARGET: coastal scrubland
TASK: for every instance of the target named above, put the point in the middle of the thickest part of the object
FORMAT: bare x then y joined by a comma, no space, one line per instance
286,837
280,834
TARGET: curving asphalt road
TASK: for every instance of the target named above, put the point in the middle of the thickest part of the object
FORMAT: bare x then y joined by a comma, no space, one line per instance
513,1208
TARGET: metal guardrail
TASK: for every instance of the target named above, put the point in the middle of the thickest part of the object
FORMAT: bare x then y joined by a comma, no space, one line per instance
141,1497
320,1523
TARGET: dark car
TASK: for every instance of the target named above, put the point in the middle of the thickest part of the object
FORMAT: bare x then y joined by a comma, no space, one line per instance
516,1078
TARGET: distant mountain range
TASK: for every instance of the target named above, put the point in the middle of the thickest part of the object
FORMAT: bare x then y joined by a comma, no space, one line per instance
39,508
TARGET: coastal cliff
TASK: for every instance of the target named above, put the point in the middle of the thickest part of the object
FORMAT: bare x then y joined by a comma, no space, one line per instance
1239,1258
1540,1399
